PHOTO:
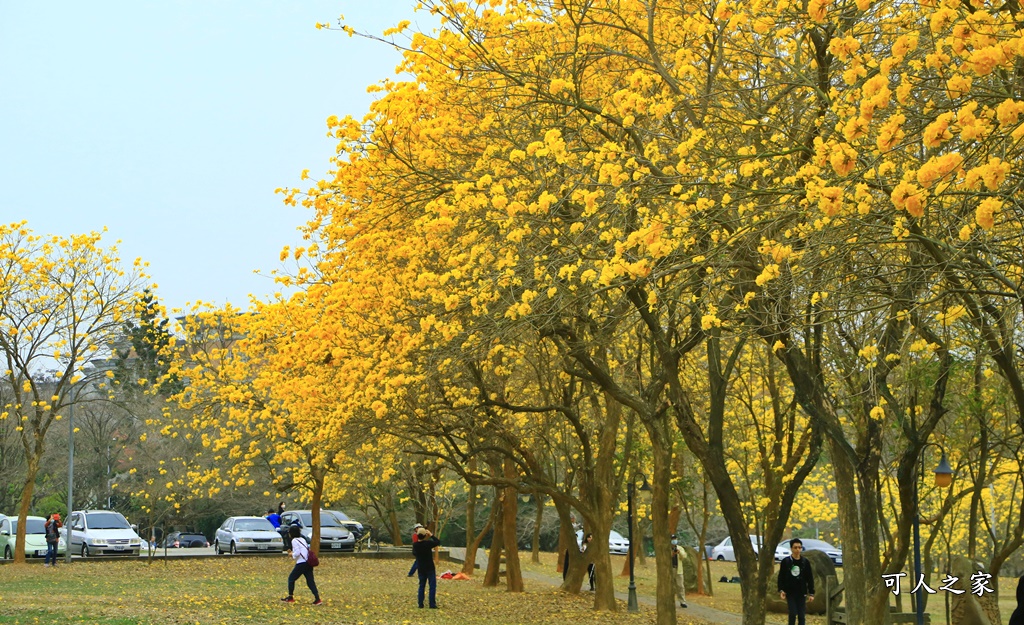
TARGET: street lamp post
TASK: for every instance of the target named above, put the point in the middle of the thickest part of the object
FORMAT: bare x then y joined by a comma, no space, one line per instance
71,474
632,604
943,478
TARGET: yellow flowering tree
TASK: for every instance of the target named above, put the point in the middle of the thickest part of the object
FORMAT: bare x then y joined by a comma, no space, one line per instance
63,303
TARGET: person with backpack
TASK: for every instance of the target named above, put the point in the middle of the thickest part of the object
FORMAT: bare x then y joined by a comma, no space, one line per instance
52,529
305,560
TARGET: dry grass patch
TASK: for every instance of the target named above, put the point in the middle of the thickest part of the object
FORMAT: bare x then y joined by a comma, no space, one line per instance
248,590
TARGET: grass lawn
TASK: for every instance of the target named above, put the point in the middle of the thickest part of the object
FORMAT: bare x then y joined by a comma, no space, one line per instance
248,590
727,597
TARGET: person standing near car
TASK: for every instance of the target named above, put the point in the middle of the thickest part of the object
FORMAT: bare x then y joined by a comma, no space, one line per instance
796,582
300,553
423,549
52,529
274,518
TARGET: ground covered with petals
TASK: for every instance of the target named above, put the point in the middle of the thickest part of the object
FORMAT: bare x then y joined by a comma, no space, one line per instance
248,590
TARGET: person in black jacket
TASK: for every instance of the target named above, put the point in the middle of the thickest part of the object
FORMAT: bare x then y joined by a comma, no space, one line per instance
796,582
423,550
1017,618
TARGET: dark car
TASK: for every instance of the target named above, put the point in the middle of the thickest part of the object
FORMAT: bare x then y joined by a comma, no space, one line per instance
353,526
181,540
333,535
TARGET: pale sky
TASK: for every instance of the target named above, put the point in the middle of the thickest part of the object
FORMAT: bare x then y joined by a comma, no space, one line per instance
171,123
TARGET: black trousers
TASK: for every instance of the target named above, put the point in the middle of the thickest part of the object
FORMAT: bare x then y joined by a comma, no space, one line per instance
302,569
797,608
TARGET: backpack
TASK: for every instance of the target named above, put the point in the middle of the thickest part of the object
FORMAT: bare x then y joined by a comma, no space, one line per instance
311,558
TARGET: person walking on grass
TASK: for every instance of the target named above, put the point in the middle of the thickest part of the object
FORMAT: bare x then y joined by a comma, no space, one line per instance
423,549
796,582
300,553
52,529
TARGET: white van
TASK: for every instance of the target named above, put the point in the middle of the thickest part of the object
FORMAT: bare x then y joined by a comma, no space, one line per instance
101,532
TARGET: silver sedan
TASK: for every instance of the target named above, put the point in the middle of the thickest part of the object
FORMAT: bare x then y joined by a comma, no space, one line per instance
247,534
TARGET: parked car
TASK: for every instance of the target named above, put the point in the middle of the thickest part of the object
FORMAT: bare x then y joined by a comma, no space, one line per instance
182,540
101,532
834,553
246,533
725,550
333,535
35,537
708,548
350,524
617,543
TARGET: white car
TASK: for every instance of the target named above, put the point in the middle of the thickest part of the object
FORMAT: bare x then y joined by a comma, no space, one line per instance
35,537
247,533
727,552
834,553
101,532
617,543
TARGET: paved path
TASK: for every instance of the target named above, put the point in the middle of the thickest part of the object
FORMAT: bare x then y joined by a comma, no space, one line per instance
458,554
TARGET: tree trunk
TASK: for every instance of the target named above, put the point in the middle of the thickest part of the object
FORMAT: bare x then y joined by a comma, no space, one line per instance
497,539
597,554
538,500
469,566
510,509
566,544
318,492
661,450
849,523
25,503
472,541
396,529
471,508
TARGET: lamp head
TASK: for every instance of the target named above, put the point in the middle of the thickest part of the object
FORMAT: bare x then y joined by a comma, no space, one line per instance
944,472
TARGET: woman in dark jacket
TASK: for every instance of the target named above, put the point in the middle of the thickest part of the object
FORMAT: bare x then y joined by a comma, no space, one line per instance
423,550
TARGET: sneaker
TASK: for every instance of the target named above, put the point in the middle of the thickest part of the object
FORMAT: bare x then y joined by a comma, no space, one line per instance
288,599
318,602
682,604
